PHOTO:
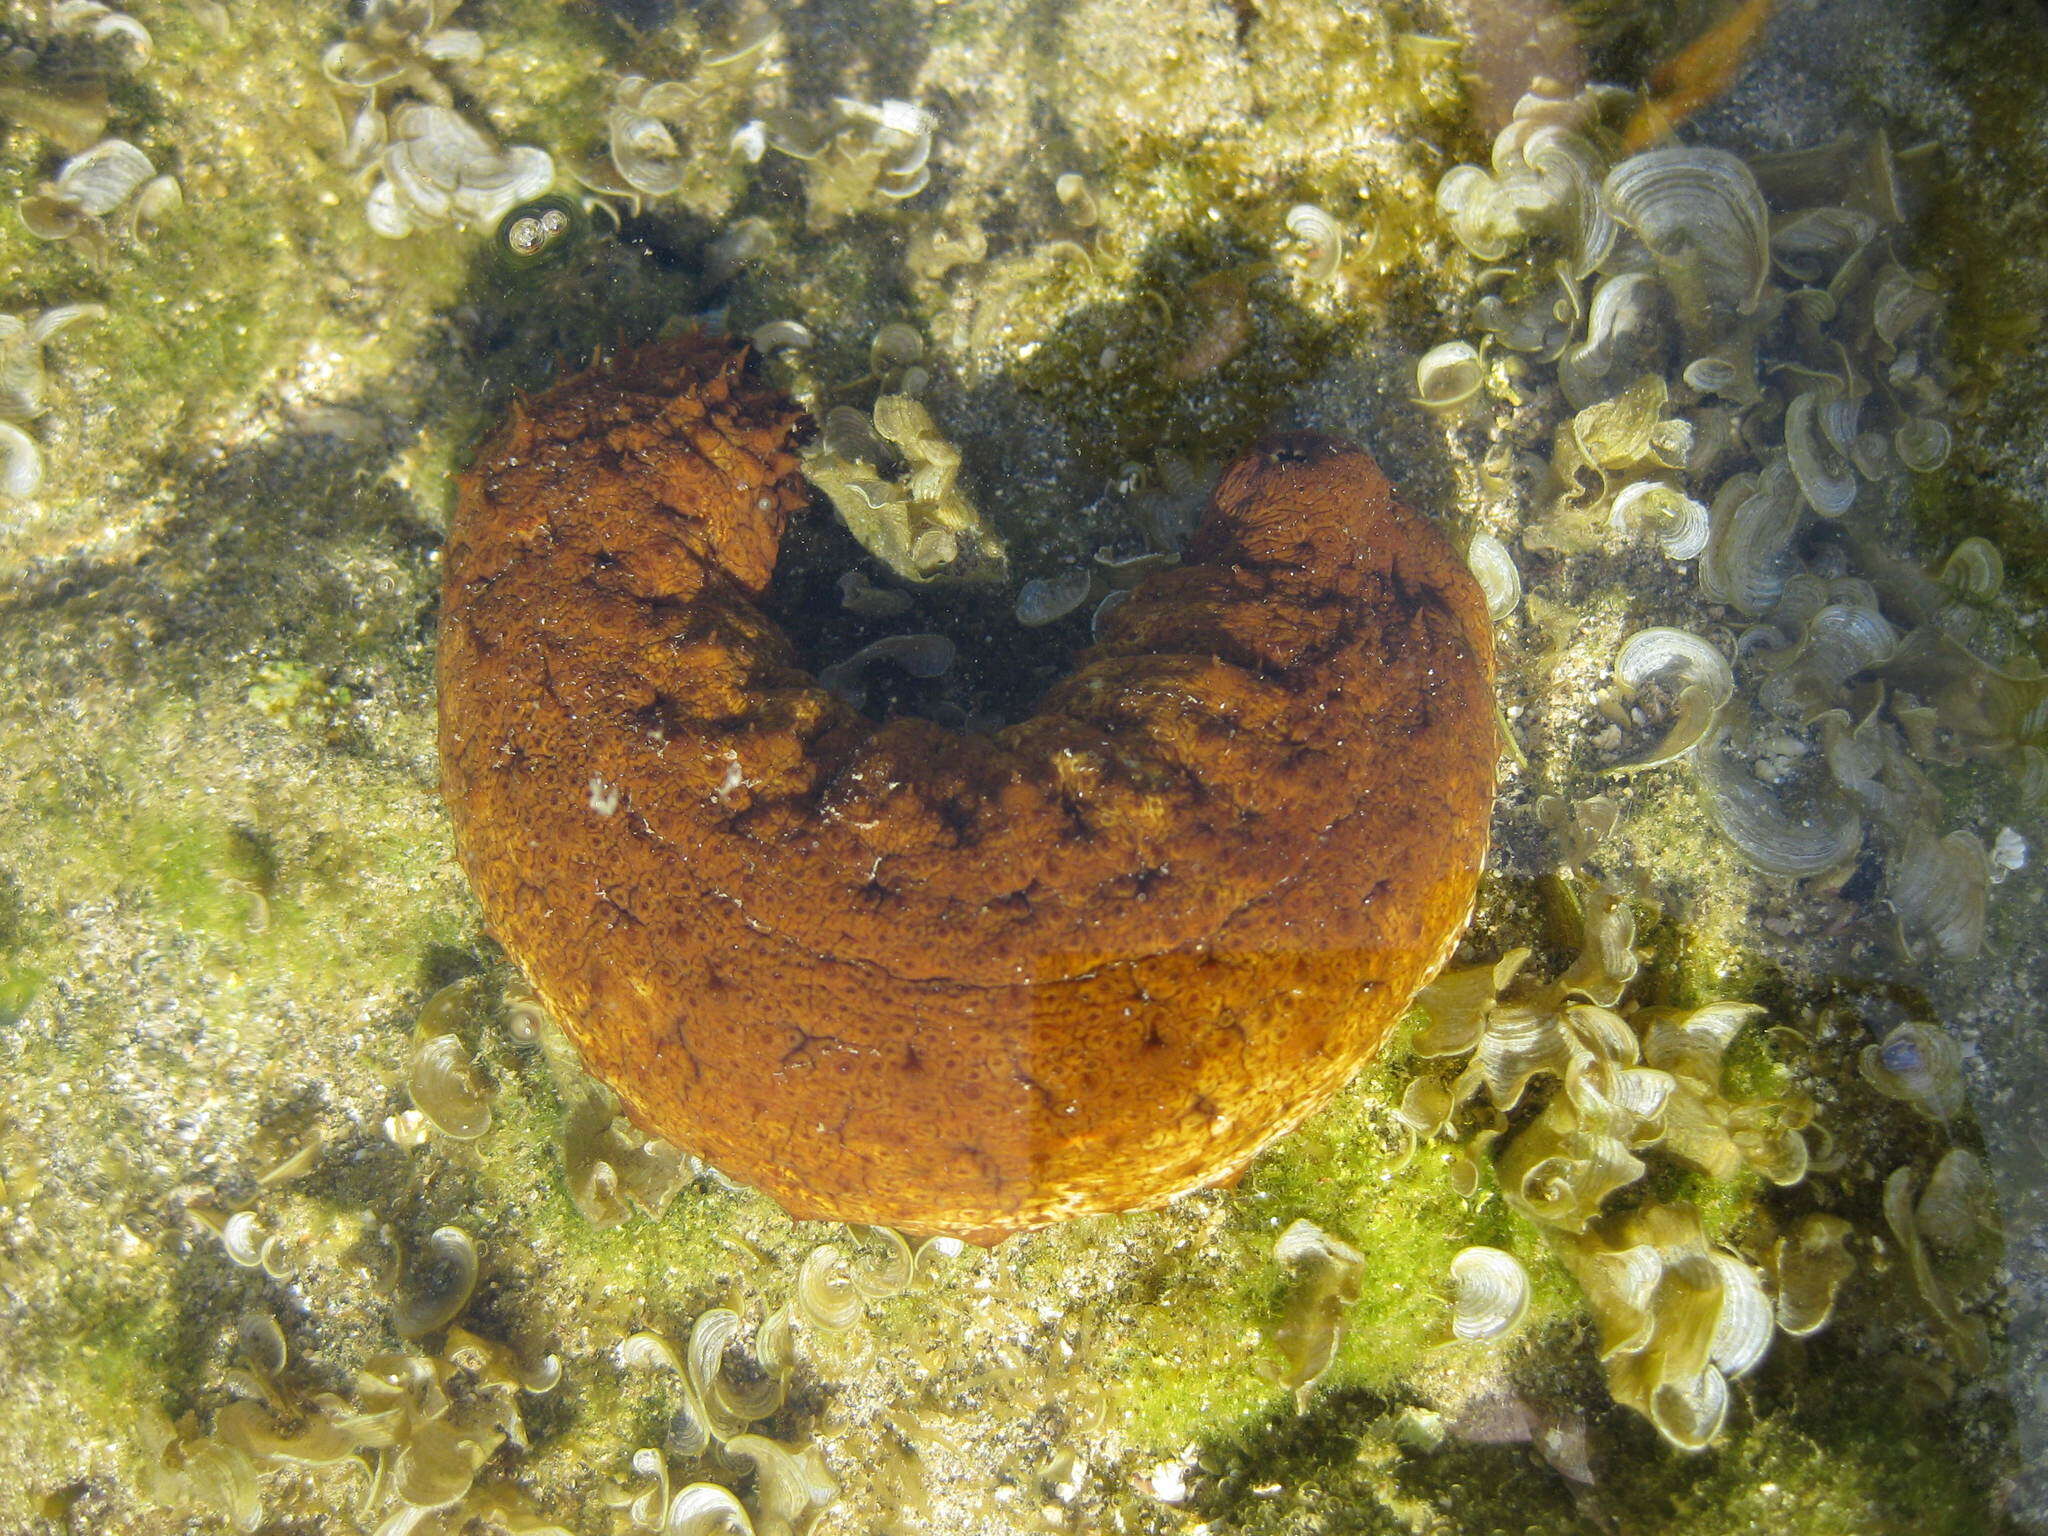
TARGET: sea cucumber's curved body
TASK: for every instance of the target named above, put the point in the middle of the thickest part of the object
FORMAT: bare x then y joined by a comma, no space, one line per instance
955,983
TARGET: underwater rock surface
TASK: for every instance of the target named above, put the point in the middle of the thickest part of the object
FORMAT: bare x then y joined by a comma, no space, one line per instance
273,1104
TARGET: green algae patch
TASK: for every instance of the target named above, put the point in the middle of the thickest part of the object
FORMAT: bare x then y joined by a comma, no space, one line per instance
123,1354
219,306
262,885
522,1160
1862,1461
19,983
193,871
1853,1461
25,941
1200,1355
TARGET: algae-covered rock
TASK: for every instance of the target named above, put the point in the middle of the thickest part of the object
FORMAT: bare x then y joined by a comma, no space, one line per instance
297,1185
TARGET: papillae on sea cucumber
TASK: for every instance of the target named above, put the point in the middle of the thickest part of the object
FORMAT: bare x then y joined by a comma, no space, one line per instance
952,982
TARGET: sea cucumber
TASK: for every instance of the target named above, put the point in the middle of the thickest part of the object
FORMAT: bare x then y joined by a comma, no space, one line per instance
952,982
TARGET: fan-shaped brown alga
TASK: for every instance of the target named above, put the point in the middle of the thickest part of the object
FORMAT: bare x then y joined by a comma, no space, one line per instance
941,980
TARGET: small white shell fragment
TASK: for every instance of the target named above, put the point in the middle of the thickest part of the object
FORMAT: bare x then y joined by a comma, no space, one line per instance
1974,570
1690,1414
648,1352
706,1509
439,168
1742,1333
1072,191
896,345
1922,444
1704,221
1321,240
1797,840
1959,1206
1066,1475
1812,1262
242,1239
1048,599
1495,571
1919,1064
1167,1482
1650,653
643,151
1940,888
826,1296
783,336
450,1271
102,179
1448,375
442,1081
1104,609
1491,1292
1678,521
1826,477
21,462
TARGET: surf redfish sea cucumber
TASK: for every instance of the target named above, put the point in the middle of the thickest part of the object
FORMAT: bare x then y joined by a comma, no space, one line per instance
950,982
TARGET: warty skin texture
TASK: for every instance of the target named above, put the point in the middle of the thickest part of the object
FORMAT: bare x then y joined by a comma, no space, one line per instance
948,982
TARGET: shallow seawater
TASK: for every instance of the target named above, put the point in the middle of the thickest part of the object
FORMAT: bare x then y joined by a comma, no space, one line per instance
1704,1191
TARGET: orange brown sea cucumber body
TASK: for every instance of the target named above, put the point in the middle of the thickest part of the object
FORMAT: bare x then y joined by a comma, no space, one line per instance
950,982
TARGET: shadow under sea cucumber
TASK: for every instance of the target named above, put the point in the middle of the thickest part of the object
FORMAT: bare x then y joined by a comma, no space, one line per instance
948,982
